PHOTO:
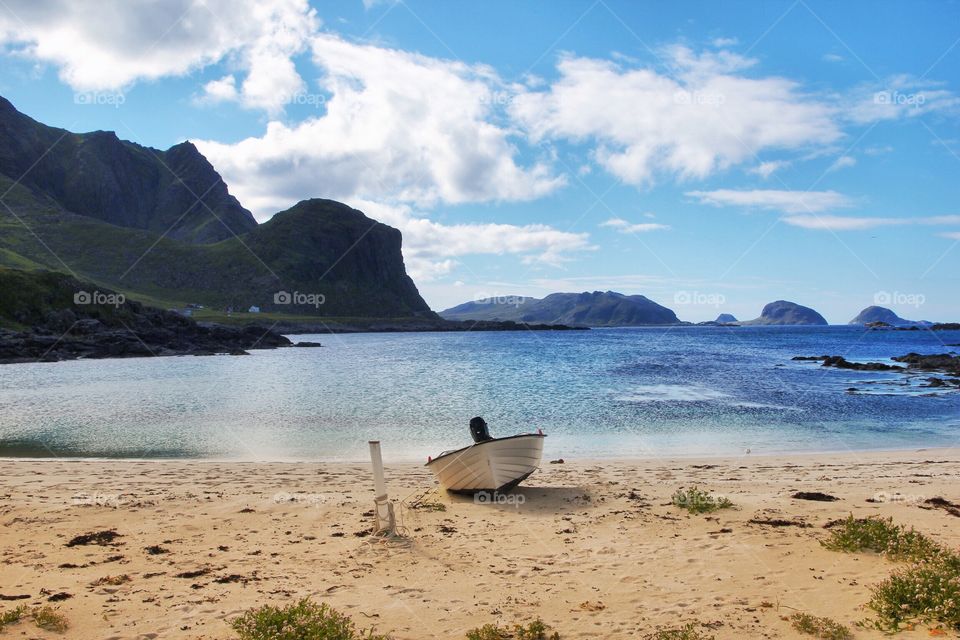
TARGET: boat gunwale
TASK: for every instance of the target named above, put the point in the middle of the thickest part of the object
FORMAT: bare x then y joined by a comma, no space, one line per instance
479,444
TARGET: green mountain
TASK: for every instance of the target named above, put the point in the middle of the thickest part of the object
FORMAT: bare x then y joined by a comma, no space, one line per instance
162,227
590,309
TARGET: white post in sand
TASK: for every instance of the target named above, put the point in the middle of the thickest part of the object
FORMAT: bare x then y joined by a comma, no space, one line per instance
384,522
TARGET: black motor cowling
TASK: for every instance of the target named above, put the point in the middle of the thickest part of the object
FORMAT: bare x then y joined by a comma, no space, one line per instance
479,430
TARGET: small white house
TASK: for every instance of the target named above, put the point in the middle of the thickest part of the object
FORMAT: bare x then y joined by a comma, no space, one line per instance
254,309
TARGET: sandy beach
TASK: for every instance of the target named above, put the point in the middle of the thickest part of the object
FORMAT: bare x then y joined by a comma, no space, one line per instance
594,548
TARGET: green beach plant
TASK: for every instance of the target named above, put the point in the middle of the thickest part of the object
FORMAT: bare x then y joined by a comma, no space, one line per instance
695,500
535,630
688,631
927,591
818,627
304,620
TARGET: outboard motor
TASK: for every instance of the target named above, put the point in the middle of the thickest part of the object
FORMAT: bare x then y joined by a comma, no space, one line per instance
479,431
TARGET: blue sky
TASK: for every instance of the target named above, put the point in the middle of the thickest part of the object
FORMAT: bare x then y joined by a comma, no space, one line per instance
712,156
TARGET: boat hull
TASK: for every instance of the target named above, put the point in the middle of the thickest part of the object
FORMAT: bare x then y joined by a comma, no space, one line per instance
495,465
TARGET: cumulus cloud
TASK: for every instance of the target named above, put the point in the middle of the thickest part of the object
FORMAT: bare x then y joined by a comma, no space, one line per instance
398,126
624,226
117,43
704,116
774,199
431,248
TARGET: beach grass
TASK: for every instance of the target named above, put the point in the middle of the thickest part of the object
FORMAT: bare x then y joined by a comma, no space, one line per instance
304,620
44,617
879,535
823,628
695,500
688,631
535,630
927,591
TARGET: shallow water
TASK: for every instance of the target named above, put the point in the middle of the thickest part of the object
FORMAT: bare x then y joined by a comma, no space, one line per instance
599,393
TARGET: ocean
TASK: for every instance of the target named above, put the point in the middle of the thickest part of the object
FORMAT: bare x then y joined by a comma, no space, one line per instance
626,393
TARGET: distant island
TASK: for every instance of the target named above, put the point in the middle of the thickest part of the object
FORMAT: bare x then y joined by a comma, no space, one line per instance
783,312
590,309
873,315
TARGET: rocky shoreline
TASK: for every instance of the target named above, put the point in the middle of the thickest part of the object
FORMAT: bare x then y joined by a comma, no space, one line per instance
946,364
145,333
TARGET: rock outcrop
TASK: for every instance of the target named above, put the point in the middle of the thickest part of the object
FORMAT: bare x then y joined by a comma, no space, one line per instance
782,312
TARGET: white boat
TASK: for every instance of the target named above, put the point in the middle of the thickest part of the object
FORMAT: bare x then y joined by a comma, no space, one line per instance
498,464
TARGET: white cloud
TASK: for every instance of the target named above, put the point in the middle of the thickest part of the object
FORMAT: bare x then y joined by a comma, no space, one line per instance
951,235
842,162
116,43
623,226
767,169
704,117
431,248
832,57
224,89
398,127
773,199
725,42
839,223
850,223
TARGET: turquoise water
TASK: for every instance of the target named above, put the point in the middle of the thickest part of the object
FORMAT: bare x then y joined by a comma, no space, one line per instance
599,393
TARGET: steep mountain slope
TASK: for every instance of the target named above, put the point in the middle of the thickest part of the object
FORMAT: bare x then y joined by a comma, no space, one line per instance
592,309
80,213
174,192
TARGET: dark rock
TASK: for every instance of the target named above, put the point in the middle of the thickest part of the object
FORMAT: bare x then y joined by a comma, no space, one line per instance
941,362
816,496
307,344
880,317
841,363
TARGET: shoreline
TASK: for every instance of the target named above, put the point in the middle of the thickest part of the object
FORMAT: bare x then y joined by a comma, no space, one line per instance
672,457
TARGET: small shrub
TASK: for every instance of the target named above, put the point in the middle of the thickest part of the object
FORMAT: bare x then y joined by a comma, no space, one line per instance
13,615
881,536
44,617
926,592
304,620
823,628
49,620
535,630
695,500
688,631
